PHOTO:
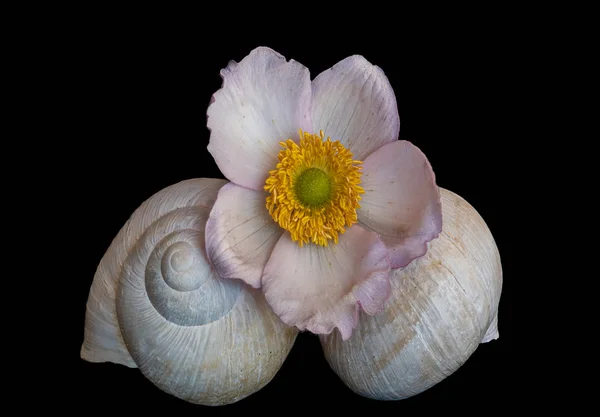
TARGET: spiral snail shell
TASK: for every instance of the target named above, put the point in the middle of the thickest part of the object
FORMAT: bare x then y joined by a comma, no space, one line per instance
442,307
155,303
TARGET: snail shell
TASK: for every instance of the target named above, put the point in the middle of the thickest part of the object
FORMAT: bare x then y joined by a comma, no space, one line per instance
442,306
155,303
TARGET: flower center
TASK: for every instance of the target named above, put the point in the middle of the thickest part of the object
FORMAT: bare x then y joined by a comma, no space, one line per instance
313,187
314,190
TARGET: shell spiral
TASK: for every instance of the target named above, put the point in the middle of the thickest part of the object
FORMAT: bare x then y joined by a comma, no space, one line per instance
157,304
442,306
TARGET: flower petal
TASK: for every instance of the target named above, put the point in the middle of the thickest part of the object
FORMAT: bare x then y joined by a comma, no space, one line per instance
354,102
240,234
319,288
401,200
263,100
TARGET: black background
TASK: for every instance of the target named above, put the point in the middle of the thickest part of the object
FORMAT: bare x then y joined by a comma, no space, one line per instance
139,92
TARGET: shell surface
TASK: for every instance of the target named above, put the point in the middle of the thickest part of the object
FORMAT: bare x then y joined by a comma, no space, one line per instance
155,303
442,306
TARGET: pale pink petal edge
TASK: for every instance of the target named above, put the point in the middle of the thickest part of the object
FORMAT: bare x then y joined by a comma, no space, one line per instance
377,281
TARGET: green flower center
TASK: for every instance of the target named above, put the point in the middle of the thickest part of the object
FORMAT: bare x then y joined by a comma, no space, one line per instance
313,187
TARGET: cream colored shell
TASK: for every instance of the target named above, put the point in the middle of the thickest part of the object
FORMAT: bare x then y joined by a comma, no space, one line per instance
442,307
156,303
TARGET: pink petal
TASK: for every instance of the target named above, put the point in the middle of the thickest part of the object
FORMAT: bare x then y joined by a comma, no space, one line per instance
401,200
263,100
354,102
240,234
319,288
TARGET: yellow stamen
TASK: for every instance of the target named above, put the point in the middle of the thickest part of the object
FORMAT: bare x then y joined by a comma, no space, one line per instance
314,190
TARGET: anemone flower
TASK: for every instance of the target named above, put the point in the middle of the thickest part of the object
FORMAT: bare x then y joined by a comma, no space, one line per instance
323,199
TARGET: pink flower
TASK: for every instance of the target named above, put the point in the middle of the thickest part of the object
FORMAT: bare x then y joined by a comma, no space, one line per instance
323,198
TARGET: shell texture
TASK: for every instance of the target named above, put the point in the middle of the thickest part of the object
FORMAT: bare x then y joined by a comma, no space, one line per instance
442,306
157,304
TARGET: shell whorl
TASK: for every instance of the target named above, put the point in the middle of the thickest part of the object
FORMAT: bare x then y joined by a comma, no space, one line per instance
442,306
156,303
168,274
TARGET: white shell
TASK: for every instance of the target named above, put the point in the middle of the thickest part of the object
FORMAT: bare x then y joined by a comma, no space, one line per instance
156,303
442,307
